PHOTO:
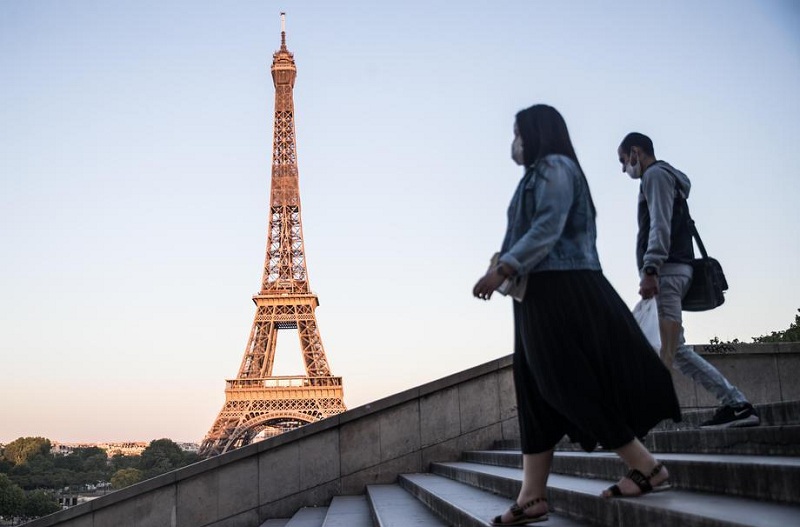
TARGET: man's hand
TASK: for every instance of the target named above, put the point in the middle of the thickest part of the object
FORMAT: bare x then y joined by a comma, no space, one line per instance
648,287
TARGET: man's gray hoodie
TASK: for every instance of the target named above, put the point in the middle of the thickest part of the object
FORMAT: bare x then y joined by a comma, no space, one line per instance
664,240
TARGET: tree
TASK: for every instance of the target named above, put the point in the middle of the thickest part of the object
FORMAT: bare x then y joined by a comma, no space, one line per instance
20,450
120,461
792,334
12,497
162,455
81,466
126,477
39,503
96,463
39,471
68,462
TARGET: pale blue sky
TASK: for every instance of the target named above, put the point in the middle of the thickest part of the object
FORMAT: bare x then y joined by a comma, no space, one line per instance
135,146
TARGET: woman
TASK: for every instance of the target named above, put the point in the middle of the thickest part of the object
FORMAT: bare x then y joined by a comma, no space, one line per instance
582,366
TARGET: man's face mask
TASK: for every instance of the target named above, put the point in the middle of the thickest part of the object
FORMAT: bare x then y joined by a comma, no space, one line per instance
633,168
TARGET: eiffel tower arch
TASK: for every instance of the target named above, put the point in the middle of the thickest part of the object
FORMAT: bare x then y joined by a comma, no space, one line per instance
256,401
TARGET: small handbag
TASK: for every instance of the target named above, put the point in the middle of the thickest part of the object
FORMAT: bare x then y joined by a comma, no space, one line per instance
708,285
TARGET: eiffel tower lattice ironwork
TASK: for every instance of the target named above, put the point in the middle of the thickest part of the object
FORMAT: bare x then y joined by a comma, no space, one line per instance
256,402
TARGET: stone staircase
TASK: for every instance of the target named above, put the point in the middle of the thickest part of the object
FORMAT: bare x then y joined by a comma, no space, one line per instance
727,477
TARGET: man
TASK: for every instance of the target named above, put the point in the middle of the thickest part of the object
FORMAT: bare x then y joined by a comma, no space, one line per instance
663,252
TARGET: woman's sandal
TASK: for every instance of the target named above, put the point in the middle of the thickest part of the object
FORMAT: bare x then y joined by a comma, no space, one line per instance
642,481
518,516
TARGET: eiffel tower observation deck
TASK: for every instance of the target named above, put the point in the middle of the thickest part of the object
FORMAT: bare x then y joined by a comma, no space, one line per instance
257,403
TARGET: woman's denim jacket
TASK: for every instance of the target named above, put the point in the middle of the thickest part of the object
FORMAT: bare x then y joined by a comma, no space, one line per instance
551,220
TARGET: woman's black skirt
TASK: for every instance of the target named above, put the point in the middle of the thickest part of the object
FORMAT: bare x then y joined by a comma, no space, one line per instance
582,366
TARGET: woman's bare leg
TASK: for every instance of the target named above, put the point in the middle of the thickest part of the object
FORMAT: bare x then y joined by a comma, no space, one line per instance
535,470
635,455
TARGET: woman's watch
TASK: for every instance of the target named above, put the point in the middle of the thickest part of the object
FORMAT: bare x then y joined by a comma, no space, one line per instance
650,270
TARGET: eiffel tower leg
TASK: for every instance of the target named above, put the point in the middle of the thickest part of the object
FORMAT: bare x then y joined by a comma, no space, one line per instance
259,356
257,363
311,345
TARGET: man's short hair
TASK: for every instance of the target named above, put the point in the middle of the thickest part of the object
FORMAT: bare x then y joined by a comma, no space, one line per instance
640,140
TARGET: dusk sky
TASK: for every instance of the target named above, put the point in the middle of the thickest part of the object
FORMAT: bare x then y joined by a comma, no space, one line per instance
135,149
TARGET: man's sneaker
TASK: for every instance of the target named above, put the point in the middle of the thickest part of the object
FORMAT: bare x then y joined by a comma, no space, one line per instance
733,416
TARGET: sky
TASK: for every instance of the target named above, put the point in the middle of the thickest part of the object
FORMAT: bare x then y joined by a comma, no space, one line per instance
135,149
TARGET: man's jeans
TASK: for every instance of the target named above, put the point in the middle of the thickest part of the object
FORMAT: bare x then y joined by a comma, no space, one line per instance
672,288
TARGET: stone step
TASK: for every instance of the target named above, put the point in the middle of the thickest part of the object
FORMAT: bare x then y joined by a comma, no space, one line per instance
768,478
394,507
308,517
465,505
348,511
781,440
277,522
758,440
771,414
580,498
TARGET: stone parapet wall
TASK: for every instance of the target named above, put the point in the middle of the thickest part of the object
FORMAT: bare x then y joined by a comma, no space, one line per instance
309,465
403,433
764,373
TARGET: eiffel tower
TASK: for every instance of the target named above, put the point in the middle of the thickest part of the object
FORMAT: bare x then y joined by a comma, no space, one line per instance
257,402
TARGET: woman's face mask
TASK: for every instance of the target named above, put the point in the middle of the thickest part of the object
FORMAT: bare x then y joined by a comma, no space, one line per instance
516,148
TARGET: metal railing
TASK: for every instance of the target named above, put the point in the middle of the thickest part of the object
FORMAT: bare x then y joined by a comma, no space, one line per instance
284,382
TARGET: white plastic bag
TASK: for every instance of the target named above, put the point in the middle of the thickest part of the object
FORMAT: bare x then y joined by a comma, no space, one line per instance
646,314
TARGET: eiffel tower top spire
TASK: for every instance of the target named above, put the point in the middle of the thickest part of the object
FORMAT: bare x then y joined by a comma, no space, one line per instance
283,69
283,30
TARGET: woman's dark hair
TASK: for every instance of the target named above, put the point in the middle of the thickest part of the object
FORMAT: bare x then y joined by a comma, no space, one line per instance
544,131
640,140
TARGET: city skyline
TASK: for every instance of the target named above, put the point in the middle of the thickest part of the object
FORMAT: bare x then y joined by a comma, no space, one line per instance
134,180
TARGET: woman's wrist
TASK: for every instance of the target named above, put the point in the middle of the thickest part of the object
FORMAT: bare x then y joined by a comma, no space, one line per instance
504,270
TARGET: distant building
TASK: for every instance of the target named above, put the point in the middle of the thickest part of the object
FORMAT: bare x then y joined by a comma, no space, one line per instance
124,448
129,448
65,449
190,447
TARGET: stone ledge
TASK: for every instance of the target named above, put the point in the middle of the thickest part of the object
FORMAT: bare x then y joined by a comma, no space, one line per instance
744,348
475,426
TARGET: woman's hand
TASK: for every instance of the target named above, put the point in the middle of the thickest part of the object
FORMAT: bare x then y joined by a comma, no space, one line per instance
487,285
